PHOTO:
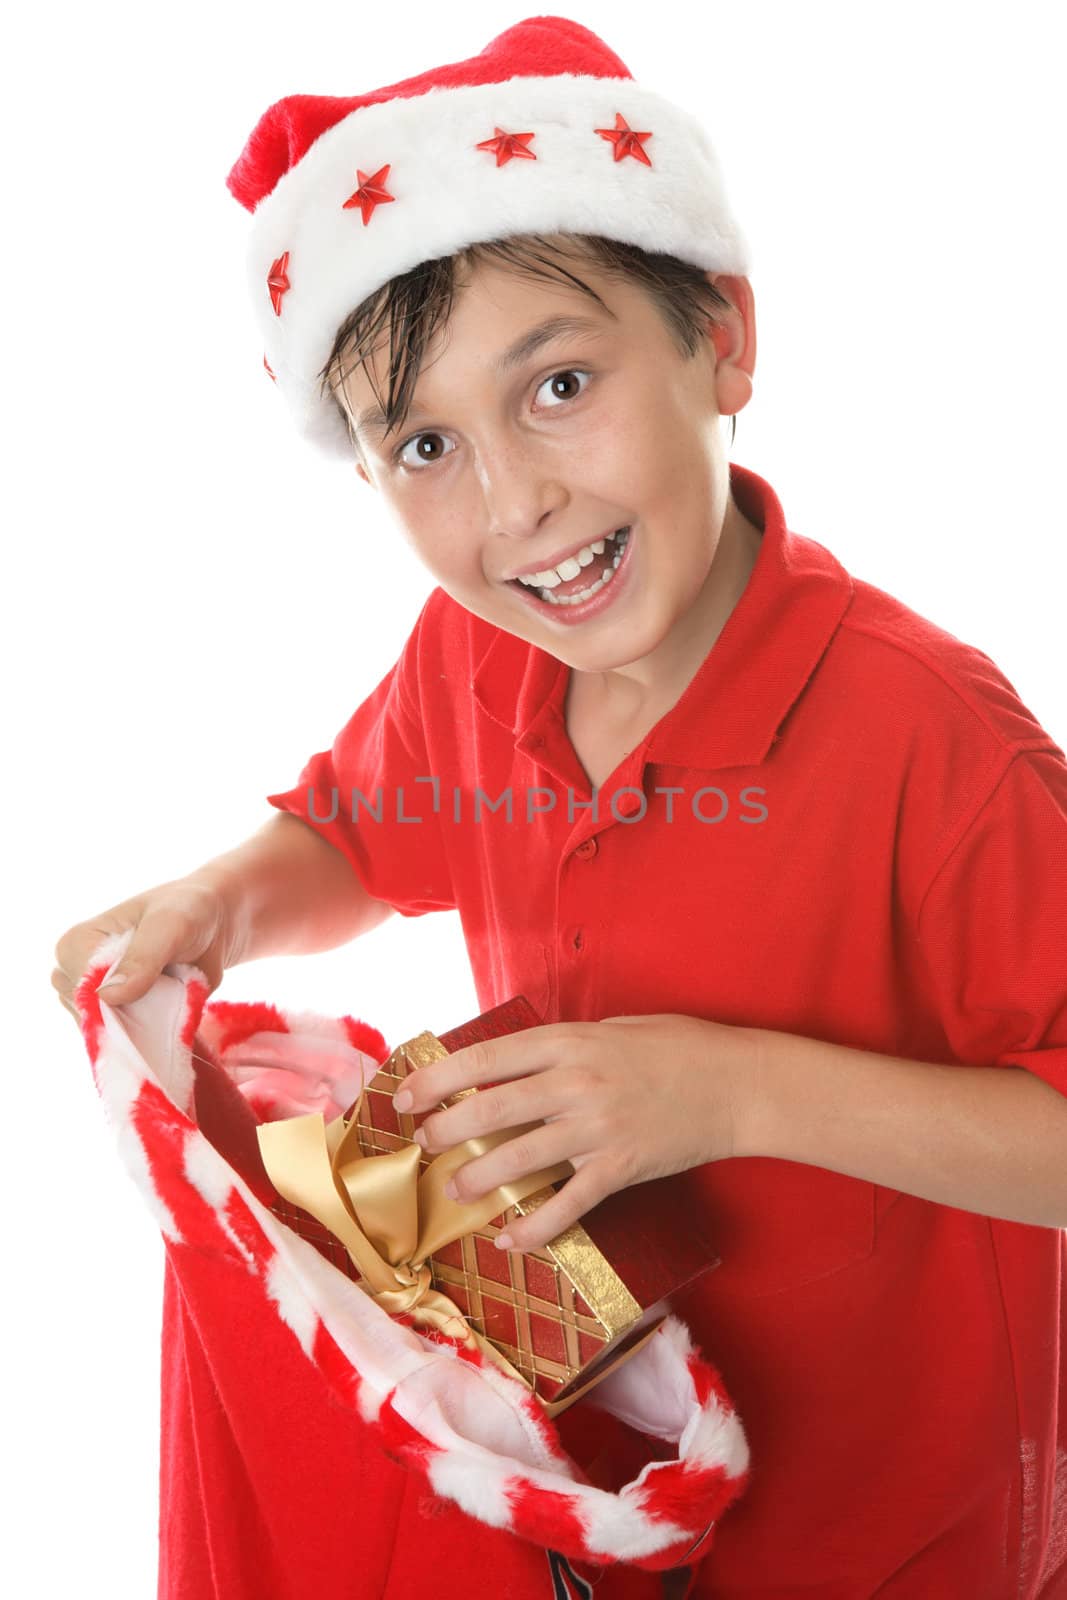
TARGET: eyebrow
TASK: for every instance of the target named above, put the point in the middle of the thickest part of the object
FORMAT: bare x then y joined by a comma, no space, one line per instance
373,419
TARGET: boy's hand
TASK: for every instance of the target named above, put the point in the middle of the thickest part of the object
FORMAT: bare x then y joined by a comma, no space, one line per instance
624,1100
185,920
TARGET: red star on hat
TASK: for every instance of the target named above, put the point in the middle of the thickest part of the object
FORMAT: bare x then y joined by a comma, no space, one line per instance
548,72
506,145
625,140
371,192
278,282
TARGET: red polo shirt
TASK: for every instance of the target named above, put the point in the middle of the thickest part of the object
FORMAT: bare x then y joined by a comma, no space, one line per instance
847,827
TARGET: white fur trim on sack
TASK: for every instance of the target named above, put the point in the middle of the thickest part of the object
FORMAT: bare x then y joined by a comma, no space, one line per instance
480,1433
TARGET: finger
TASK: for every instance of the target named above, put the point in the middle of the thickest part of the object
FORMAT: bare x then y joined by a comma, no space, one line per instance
487,1061
76,953
72,1008
508,1105
62,983
515,1158
154,943
578,1195
66,987
73,954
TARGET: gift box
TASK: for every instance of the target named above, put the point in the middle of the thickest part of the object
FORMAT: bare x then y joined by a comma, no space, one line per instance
560,1318
288,1392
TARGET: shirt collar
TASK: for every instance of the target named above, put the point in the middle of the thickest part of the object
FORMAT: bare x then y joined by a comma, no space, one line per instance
730,711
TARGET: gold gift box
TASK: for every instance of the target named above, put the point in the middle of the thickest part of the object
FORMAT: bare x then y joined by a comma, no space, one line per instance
565,1315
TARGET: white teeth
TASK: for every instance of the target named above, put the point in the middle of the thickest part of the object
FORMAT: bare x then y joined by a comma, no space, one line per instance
552,577
605,577
582,594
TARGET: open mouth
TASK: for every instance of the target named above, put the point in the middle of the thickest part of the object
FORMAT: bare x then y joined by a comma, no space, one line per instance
595,575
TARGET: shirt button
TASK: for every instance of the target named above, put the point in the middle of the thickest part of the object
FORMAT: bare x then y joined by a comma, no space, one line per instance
587,848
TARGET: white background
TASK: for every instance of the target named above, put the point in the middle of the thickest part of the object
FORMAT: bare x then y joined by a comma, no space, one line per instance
196,600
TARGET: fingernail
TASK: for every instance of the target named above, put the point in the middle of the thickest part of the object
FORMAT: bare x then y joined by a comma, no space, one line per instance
450,1188
419,1137
402,1100
504,1241
116,977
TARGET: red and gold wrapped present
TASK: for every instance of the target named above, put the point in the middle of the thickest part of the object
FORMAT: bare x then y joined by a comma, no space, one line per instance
290,1396
560,1318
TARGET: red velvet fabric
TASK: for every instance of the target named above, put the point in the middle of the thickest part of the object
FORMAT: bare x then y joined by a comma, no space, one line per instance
271,1490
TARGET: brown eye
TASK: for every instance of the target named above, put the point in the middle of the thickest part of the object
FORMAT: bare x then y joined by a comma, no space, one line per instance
565,381
422,455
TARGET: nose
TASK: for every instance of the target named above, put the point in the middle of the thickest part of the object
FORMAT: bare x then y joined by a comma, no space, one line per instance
521,493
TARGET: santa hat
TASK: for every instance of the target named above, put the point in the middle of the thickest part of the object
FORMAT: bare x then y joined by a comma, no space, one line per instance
476,1438
544,130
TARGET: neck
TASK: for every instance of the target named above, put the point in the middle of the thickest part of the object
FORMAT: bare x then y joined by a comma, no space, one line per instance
658,679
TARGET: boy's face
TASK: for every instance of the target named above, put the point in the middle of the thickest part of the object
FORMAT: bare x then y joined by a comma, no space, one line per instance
498,471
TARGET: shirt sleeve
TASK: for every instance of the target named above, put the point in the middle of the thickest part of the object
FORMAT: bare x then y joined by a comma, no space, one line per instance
363,795
992,926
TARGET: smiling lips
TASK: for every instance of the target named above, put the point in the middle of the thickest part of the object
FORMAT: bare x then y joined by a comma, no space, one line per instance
573,589
595,546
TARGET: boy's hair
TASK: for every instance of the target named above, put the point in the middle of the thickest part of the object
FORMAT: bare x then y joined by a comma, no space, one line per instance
409,308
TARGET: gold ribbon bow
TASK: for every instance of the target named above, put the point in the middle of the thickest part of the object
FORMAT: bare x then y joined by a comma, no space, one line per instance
388,1217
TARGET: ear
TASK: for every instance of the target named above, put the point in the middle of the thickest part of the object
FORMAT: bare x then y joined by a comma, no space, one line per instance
733,338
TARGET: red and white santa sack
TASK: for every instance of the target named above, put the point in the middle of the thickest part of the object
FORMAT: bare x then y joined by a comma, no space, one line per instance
309,1438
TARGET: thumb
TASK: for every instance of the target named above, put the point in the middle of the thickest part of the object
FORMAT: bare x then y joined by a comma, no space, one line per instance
142,964
133,981
138,968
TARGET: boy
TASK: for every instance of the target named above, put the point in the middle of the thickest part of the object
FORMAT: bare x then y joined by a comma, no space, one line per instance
803,948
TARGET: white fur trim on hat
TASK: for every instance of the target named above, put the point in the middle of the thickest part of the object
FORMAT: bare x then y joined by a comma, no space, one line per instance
448,193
